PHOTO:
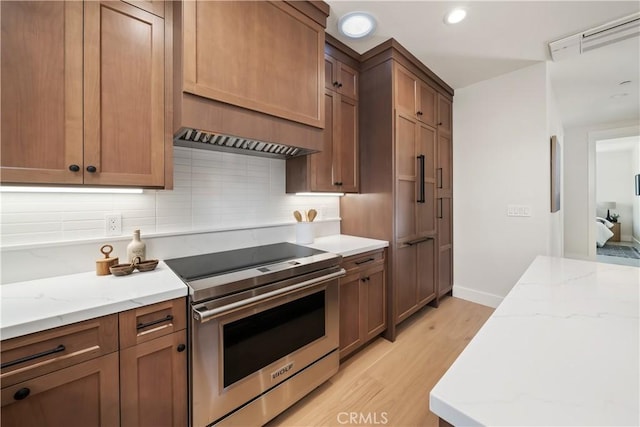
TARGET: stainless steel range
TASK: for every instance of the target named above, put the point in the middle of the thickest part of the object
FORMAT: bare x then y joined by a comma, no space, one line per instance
264,329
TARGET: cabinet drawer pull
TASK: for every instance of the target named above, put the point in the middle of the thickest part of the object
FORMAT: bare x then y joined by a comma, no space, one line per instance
337,183
58,349
154,322
415,242
21,394
364,261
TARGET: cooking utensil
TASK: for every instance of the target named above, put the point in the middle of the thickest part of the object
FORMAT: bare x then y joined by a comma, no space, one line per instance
297,215
312,214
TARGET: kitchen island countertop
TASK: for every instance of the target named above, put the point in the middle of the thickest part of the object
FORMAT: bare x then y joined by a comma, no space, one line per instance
346,245
562,349
36,305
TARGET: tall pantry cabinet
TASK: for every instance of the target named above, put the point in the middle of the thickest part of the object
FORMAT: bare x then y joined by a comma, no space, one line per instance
405,177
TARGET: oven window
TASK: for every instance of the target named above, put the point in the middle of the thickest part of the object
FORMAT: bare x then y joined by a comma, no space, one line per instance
256,341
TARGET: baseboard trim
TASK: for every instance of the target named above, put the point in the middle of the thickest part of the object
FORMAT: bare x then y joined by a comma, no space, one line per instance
479,297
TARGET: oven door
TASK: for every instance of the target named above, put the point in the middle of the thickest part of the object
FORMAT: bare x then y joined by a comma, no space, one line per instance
242,348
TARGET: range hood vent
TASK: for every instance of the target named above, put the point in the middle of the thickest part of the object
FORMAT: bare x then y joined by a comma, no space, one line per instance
594,38
194,138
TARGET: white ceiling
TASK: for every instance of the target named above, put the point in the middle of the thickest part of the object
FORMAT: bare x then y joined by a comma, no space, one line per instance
502,36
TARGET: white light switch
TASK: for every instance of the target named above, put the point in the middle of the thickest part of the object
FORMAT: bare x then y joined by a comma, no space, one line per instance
519,210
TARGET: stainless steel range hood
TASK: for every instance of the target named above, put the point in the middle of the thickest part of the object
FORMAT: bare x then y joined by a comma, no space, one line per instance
194,138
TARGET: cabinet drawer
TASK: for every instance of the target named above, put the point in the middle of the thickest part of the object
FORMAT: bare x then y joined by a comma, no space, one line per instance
36,354
361,261
81,395
146,323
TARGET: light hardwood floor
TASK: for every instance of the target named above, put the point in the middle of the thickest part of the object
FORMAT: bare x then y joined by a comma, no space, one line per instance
391,381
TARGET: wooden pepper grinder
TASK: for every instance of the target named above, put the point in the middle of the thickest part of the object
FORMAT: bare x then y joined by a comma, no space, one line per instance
102,265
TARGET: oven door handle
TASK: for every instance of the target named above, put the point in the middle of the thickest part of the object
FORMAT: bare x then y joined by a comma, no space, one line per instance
207,315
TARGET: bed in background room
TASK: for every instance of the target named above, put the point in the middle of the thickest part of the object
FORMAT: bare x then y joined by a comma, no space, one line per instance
602,231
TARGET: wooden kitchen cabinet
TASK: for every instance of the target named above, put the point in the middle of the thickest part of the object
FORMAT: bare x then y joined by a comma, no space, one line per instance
62,376
415,97
402,149
335,167
415,214
126,369
362,300
265,56
153,382
340,77
83,99
444,190
153,365
81,395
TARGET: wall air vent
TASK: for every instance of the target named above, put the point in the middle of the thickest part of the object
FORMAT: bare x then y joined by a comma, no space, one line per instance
594,38
194,138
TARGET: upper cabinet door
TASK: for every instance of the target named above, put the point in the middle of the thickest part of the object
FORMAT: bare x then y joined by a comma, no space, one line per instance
259,55
348,81
445,114
405,91
123,95
427,106
41,92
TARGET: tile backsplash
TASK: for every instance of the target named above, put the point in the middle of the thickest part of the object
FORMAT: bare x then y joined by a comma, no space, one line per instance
212,191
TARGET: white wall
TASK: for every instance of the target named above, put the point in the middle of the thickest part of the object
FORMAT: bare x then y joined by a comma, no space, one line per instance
554,127
614,183
501,157
579,183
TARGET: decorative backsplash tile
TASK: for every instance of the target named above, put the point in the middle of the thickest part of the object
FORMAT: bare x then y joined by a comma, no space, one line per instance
212,190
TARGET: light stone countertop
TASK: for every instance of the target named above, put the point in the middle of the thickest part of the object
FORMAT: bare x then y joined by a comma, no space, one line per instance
562,349
346,245
36,305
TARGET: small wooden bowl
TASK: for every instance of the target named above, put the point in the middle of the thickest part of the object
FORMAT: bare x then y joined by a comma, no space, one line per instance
121,269
147,265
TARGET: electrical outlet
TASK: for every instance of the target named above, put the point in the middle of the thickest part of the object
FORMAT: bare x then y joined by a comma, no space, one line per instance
113,224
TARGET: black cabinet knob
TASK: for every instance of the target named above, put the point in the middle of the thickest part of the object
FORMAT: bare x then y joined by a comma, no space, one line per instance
340,85
21,394
74,168
337,183
91,169
440,124
181,348
335,83
420,113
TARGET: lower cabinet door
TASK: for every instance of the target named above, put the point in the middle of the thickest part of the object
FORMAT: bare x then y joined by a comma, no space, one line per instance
350,314
81,395
153,382
374,287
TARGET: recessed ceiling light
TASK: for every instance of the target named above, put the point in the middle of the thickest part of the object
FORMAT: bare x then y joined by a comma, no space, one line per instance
455,16
357,24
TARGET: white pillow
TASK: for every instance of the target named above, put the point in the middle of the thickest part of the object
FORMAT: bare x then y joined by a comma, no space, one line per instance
605,222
